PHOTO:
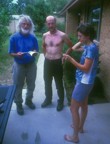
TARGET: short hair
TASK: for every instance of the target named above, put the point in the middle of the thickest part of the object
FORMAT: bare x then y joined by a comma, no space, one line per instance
28,19
87,30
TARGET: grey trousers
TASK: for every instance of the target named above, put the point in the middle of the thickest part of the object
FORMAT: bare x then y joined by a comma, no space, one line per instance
24,74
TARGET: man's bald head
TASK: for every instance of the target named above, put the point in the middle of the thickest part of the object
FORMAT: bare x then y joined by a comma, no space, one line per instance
51,23
51,18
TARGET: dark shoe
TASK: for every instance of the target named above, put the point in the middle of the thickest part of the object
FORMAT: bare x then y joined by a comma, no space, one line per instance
60,106
30,104
45,103
20,109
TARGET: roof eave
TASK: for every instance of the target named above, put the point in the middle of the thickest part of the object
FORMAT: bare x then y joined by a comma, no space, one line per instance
69,5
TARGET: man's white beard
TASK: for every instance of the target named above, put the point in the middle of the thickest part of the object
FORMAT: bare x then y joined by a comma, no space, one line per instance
24,31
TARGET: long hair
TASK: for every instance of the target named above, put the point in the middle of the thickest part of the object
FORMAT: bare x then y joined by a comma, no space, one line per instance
28,19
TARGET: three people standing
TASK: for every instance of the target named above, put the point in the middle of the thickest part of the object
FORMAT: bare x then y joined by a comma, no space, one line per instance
24,68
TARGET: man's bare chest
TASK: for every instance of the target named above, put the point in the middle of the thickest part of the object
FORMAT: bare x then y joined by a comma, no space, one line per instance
52,41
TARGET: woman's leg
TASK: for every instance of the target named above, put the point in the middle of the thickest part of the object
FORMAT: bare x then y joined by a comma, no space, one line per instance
83,115
76,118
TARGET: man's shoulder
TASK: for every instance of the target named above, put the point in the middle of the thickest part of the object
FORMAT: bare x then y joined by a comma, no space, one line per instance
61,33
46,33
32,35
14,35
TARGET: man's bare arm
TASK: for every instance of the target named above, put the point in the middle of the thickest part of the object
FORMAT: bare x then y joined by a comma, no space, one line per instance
69,44
43,45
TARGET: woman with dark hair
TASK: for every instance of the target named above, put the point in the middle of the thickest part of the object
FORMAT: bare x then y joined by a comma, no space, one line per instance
85,76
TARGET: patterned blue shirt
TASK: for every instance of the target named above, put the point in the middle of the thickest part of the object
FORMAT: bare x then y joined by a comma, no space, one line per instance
91,52
22,43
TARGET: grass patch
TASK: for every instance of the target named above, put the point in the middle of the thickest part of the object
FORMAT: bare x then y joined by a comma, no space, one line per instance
5,59
39,38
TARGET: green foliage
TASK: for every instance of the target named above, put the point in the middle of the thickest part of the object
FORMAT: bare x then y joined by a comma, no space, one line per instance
56,5
74,40
39,38
38,10
3,35
4,56
70,69
61,26
4,21
38,13
13,8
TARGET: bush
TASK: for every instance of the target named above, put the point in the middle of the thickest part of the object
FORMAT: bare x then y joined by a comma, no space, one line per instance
61,26
70,69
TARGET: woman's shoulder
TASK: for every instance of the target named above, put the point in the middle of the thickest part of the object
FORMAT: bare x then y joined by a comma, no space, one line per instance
92,46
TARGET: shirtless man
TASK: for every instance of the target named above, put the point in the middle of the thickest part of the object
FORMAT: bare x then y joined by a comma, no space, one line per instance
53,42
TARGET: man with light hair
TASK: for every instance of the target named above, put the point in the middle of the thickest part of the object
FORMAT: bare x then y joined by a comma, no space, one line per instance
53,42
24,67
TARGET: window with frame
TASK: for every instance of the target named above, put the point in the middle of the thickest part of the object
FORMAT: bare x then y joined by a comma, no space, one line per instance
94,17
